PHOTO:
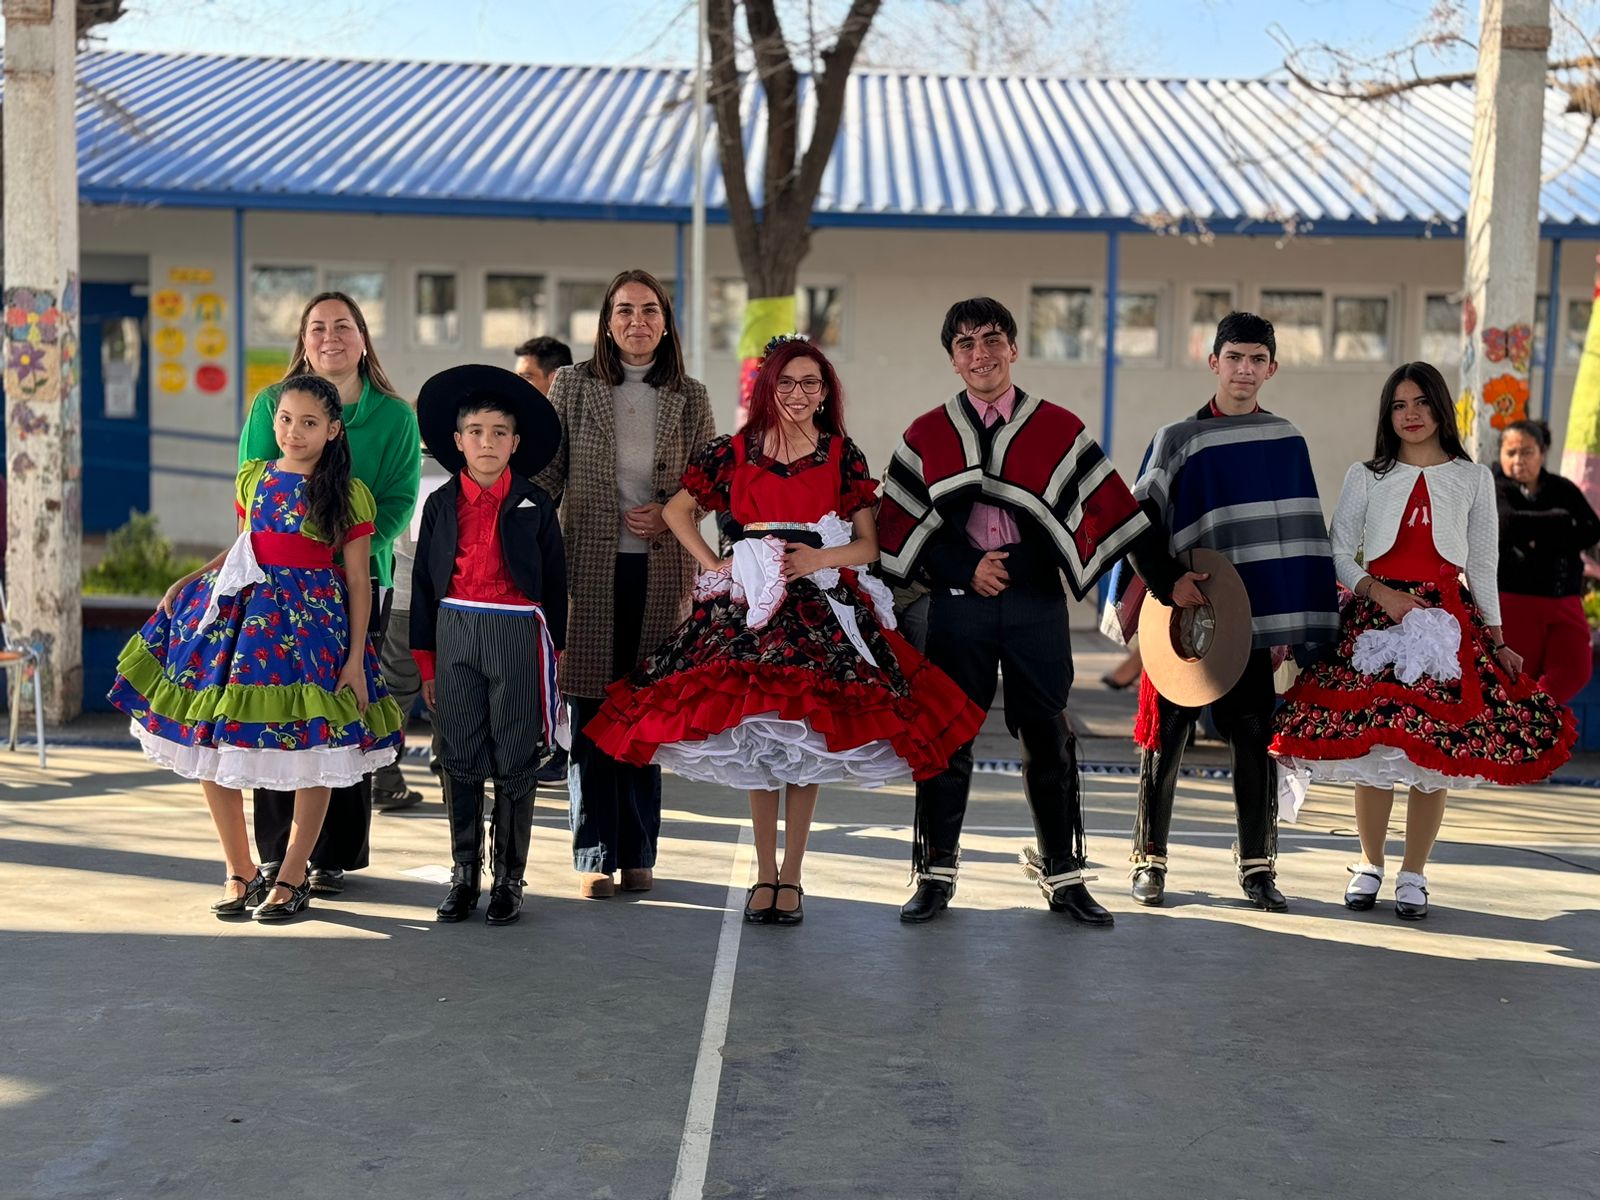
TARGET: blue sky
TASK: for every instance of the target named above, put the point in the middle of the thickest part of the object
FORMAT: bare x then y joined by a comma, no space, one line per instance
1172,37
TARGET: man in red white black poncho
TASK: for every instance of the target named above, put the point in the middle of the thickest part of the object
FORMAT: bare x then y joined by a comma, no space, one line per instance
991,499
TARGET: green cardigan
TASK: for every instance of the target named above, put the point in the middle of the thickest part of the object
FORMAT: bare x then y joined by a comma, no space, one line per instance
385,452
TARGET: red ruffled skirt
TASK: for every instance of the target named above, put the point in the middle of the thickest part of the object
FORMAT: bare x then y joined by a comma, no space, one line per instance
1342,725
793,702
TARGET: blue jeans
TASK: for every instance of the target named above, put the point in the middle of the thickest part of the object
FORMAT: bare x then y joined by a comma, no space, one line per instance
615,808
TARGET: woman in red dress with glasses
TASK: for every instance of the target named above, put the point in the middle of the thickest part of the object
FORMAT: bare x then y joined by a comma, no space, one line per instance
788,673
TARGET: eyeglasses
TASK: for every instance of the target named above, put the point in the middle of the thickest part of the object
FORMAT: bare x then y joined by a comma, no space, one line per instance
811,385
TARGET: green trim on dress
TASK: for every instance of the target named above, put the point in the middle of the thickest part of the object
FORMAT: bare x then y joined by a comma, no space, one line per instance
255,704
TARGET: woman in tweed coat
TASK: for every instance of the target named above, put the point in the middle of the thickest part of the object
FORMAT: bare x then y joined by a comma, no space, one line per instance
630,419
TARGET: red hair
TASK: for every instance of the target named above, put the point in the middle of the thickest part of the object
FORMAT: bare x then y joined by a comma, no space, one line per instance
764,412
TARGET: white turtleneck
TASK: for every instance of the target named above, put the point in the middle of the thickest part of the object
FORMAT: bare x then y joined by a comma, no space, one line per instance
635,402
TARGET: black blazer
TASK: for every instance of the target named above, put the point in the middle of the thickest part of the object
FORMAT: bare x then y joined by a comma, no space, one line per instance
530,541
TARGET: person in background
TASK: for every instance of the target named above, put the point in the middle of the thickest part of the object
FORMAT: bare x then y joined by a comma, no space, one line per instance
1126,673
1545,525
538,360
390,791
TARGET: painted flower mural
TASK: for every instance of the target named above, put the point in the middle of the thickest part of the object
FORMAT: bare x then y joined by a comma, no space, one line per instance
1507,399
34,327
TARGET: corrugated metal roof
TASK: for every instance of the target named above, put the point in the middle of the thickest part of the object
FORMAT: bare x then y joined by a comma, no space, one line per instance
944,150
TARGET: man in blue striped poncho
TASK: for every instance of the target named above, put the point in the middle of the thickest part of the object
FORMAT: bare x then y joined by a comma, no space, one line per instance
1238,480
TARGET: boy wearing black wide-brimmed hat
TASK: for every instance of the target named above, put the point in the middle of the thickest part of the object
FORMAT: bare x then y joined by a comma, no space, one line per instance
488,615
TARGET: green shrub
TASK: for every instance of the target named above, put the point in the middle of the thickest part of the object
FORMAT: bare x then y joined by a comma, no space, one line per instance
1591,608
138,561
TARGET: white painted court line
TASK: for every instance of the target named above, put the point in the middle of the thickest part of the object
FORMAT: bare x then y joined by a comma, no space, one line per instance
694,1153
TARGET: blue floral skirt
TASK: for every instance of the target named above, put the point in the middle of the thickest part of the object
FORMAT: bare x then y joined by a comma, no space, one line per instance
251,699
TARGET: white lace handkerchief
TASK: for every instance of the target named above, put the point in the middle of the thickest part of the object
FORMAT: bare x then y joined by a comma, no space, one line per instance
238,571
1426,642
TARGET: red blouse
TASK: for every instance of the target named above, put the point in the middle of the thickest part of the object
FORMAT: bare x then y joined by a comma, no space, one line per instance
1413,556
729,476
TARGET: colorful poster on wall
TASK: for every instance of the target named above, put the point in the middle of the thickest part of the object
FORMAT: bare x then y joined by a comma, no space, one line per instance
262,365
189,336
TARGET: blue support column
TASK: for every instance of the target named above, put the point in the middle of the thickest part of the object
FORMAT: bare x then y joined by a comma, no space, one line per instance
238,320
677,288
1552,331
1108,364
1108,381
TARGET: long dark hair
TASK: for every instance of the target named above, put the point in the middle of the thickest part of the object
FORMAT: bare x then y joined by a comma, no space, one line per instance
764,414
1435,394
328,487
368,365
606,364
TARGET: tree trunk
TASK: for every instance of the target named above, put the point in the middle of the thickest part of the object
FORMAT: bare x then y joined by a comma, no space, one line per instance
772,240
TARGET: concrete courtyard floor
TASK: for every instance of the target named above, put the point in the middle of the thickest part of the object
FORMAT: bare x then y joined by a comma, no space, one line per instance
654,1046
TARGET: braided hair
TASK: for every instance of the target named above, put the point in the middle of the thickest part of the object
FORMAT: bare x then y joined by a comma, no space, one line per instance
328,486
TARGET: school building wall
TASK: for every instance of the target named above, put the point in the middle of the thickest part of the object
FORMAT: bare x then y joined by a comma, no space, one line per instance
894,286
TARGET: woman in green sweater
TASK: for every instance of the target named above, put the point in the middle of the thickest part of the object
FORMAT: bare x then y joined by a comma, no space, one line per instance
386,456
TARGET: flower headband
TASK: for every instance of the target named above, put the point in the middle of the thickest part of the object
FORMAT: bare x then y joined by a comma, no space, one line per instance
780,340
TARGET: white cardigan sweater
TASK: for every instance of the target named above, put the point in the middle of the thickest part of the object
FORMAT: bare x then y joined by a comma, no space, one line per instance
1466,522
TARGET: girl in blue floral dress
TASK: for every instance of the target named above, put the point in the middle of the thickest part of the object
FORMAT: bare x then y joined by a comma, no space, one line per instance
256,670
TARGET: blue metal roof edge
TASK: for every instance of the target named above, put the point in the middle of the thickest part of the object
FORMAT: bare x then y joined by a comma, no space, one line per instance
678,214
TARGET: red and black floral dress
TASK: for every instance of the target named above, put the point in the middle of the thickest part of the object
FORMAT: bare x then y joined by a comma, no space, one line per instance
1343,724
770,682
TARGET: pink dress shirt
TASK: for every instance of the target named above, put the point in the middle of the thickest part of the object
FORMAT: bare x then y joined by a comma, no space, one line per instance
990,527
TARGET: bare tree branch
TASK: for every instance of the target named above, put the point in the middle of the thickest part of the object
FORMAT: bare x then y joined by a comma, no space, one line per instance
1381,91
724,97
837,61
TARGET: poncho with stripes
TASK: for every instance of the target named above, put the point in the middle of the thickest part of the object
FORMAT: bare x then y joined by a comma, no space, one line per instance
1243,486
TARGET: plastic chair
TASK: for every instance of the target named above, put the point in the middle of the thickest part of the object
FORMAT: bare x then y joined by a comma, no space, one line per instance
17,658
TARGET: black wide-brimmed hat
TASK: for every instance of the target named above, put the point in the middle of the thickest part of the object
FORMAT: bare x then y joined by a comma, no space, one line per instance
443,397
1196,655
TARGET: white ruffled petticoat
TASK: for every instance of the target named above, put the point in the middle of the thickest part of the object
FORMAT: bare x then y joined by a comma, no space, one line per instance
760,750
255,767
1381,767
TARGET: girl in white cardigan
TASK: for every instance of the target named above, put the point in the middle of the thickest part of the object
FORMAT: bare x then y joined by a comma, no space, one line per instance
1422,691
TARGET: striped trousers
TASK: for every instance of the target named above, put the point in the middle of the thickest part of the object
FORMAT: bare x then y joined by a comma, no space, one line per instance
488,716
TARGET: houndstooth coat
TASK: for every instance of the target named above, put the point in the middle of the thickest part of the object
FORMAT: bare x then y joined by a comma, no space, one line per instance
583,476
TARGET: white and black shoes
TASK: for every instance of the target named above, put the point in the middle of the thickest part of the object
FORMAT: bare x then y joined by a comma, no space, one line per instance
1410,891
1410,896
1361,893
